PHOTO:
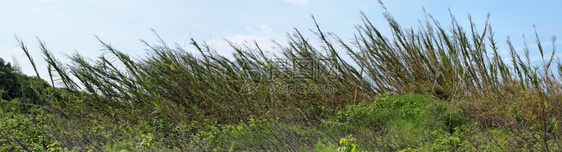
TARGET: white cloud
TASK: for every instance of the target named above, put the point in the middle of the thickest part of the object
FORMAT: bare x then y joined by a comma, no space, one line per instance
300,2
260,30
263,35
46,1
266,29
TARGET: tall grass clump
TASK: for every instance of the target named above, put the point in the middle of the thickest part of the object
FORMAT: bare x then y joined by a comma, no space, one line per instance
304,84
466,69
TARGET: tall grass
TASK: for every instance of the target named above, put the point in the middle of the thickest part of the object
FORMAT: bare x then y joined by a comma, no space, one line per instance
458,65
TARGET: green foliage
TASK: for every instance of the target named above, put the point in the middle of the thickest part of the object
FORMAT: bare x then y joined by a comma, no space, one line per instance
349,145
8,81
467,97
19,132
322,145
14,85
398,122
413,108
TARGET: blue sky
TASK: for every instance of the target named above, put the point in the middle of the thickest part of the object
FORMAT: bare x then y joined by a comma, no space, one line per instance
71,26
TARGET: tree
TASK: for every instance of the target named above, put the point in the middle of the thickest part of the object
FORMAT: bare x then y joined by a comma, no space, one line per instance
16,85
9,86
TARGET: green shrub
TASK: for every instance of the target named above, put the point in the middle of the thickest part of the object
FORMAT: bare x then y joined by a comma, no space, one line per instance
19,132
399,122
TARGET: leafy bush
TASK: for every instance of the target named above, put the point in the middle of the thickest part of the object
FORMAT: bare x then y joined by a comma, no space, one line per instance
399,122
19,132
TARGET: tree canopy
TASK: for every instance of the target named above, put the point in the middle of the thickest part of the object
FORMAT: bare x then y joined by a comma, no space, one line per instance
8,81
14,84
